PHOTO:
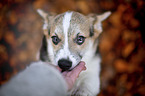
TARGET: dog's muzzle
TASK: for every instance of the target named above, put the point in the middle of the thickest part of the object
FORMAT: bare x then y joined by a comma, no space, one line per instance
64,64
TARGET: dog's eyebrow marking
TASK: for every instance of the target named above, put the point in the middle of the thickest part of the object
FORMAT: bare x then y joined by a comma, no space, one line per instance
91,31
66,25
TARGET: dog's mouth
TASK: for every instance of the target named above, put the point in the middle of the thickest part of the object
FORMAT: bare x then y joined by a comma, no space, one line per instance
63,70
66,65
70,68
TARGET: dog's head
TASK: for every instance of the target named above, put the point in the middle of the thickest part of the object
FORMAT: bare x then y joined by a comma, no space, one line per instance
68,36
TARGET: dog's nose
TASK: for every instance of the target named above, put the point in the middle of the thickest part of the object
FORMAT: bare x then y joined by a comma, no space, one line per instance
64,64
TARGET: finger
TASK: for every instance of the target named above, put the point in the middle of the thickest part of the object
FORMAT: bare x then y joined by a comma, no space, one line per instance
65,73
76,71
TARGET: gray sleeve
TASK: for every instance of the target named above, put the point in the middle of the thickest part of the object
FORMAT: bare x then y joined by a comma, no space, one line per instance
39,79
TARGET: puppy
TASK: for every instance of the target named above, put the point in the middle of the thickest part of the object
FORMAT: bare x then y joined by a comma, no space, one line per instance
69,38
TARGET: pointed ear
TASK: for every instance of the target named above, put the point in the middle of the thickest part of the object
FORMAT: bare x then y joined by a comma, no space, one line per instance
47,17
97,22
104,16
100,18
43,14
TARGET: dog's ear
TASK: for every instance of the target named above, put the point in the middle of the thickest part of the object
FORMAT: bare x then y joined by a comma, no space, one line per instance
43,14
47,17
96,24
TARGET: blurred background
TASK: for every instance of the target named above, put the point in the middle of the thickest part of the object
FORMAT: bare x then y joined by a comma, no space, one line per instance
122,44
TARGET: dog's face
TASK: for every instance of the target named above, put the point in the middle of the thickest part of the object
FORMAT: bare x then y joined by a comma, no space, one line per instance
69,36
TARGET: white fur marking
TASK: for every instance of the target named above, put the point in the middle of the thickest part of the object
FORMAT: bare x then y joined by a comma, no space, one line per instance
66,25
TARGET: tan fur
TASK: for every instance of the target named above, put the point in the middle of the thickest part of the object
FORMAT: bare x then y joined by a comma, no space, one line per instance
88,84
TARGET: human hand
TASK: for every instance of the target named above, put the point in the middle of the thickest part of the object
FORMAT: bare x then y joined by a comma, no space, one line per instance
71,76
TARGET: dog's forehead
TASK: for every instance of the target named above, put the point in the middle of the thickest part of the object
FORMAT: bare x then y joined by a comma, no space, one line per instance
80,23
77,20
58,19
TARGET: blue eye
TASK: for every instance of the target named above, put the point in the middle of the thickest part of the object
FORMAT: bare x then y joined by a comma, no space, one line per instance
55,40
80,40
